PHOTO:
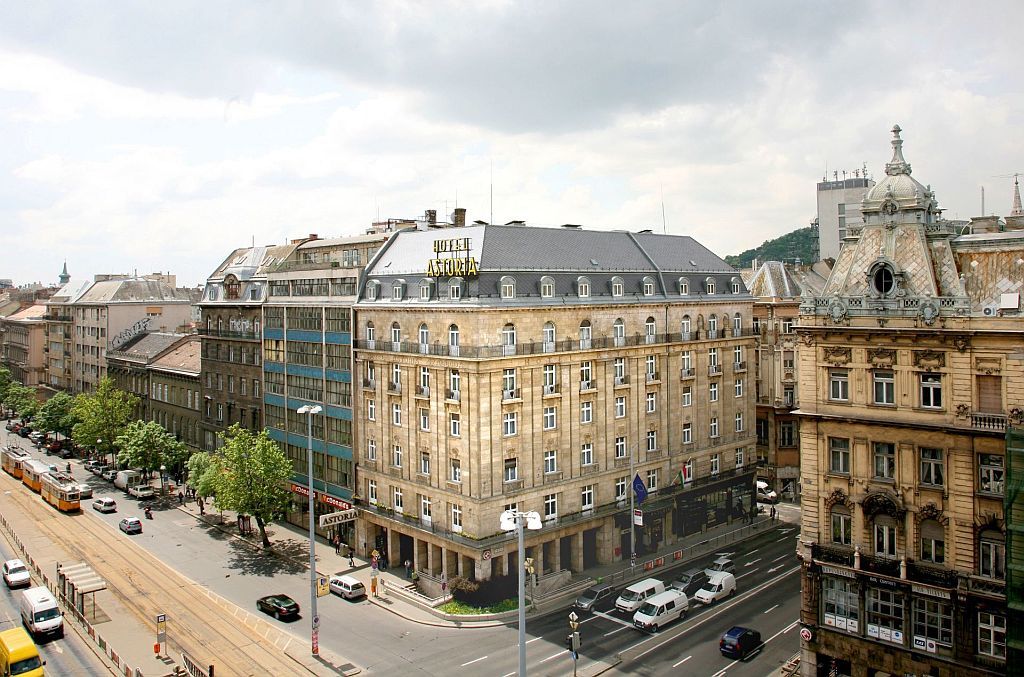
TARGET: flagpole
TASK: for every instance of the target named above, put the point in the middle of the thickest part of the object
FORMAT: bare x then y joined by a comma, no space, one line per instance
632,511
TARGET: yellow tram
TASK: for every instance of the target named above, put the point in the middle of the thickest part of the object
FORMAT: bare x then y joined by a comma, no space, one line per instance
13,458
60,490
32,472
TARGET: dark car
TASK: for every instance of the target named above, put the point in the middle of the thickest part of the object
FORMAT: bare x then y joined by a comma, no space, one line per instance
54,445
278,606
739,642
600,597
690,581
24,431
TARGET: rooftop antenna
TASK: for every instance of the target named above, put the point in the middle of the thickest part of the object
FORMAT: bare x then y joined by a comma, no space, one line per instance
664,221
492,192
983,200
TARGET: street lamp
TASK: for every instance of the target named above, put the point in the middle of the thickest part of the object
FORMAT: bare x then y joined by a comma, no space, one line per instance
310,410
163,474
512,520
98,442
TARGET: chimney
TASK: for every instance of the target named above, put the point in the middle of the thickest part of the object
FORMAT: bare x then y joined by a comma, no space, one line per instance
1014,222
431,217
459,217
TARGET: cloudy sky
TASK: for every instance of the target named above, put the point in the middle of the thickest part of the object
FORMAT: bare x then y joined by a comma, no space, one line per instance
144,136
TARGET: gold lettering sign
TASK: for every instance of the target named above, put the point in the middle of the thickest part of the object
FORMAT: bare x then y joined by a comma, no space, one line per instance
453,266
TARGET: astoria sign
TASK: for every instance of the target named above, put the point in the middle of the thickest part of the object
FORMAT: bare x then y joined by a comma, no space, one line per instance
453,265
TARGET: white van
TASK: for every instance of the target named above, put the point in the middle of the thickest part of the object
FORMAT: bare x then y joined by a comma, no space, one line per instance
347,586
126,479
719,586
661,610
638,593
40,613
764,494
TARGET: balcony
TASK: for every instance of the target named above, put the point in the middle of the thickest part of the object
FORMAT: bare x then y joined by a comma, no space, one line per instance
424,349
422,391
686,373
714,370
885,566
551,389
512,394
226,333
369,383
994,422
653,376
650,339
931,574
394,387
686,336
990,587
453,395
833,554
622,380
587,385
453,351
739,366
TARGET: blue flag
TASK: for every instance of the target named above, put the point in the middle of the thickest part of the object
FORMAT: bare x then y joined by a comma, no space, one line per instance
639,488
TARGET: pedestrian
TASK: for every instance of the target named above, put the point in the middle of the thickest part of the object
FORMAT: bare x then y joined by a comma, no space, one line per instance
181,498
337,544
202,506
351,559
408,569
69,467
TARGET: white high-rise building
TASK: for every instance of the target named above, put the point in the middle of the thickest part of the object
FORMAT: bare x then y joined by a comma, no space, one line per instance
838,209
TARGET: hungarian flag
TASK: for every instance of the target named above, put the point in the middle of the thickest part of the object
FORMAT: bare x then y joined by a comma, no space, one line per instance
682,480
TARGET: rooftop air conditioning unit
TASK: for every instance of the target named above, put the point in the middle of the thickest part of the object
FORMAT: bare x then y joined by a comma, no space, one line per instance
990,311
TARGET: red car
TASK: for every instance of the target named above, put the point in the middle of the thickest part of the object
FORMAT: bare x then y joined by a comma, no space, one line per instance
54,445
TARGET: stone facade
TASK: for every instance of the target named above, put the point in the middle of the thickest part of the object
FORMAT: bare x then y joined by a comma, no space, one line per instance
175,393
23,347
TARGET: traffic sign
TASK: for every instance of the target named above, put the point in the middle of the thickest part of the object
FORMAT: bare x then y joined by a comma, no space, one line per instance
316,622
322,587
638,517
161,628
806,634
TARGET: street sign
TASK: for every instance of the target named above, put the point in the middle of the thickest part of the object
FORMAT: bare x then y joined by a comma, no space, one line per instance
316,642
337,518
638,517
806,634
322,587
316,622
161,628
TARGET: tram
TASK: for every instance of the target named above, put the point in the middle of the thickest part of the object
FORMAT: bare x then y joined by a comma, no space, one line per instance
60,490
32,474
13,458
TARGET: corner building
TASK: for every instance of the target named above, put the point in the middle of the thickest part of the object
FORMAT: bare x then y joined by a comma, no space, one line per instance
504,366
910,373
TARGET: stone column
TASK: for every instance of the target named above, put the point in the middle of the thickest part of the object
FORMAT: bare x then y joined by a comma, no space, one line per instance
577,552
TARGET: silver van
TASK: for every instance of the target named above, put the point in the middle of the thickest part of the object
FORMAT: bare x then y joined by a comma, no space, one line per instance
638,593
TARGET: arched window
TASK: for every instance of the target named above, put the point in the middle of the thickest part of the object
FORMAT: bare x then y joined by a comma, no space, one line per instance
548,337
648,286
547,287
583,287
712,327
617,286
933,542
453,340
220,325
455,289
424,335
396,336
619,332
650,327
684,327
885,536
709,285
371,334
585,335
508,339
684,286
508,287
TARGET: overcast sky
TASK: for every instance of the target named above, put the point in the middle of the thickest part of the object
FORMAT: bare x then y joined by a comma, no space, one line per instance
145,136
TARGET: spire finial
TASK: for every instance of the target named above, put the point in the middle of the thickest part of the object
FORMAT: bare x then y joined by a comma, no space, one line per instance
898,164
64,277
1017,210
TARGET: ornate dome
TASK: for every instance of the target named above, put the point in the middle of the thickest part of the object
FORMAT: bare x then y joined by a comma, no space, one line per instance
898,186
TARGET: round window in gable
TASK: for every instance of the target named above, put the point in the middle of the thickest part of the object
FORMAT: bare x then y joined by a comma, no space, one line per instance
883,280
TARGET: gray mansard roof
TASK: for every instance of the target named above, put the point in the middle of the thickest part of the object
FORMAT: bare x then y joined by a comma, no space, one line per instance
561,256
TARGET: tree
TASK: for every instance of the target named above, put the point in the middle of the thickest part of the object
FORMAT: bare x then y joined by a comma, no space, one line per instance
22,399
251,471
202,473
146,445
55,414
5,381
102,416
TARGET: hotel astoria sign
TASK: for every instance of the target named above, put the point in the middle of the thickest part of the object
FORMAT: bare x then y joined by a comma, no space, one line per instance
452,259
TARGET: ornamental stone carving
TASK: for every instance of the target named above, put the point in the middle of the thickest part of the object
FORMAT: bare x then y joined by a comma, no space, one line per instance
882,357
837,311
929,359
962,410
838,355
931,512
838,497
929,312
988,365
962,343
881,503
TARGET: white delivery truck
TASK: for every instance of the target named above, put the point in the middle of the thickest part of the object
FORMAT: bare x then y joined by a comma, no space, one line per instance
126,479
40,613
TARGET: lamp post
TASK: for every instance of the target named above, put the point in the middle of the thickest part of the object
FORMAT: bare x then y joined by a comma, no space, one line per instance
163,474
513,520
98,442
310,410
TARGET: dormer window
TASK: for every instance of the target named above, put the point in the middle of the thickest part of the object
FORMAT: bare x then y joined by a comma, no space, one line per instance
212,295
648,286
372,290
617,286
397,290
583,287
231,287
883,280
424,290
709,285
455,289
508,287
736,286
684,287
547,287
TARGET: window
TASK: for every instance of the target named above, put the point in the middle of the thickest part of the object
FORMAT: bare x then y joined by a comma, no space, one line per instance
713,427
424,464
550,418
396,499
931,467
737,325
709,286
583,287
424,291
885,537
396,291
787,326
687,433
931,391
735,286
992,554
684,328
650,330
839,455
620,370
455,470
424,335
933,542
651,366
712,326
587,497
620,488
652,402
454,382
737,356
839,385
456,518
425,509
371,410
619,333
933,619
455,290
687,357
787,359
510,424
885,387
652,440
652,480
508,339
508,288
371,491
688,471
454,424
396,456
396,374
991,634
551,506
508,382
990,473
713,392
737,388
586,412
620,407
587,454
547,287
620,447
842,608
585,375
884,460
715,464
885,614
511,469
648,286
371,450
453,340
787,434
713,357
616,286
424,419
396,414
739,458
684,286
550,461
842,526
739,422
425,379
687,396
396,333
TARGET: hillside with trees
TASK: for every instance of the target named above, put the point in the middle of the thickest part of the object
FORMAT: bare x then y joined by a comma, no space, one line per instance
796,245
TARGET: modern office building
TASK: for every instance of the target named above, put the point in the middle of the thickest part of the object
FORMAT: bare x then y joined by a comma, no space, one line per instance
839,209
910,371
511,366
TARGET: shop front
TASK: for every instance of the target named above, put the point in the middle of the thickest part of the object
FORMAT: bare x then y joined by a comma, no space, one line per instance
323,504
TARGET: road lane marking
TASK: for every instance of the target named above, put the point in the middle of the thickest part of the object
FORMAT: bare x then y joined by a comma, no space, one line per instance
773,569
616,620
682,661
554,656
751,552
768,611
530,640
782,557
477,660
720,672
617,630
785,531
752,562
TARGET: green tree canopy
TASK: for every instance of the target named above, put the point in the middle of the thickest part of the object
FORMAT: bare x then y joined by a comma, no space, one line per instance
5,381
22,399
251,471
102,415
146,445
55,414
202,475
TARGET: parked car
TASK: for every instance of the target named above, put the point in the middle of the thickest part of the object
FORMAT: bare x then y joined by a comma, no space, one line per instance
347,586
600,597
130,525
84,491
764,494
143,492
690,581
739,642
11,425
109,475
16,574
104,504
54,445
24,431
98,468
279,606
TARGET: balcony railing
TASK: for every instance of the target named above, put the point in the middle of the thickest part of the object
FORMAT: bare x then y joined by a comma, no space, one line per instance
880,565
931,574
686,373
423,391
226,333
551,389
369,383
714,369
394,387
621,380
835,554
987,586
739,366
982,421
653,376
511,394
452,395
